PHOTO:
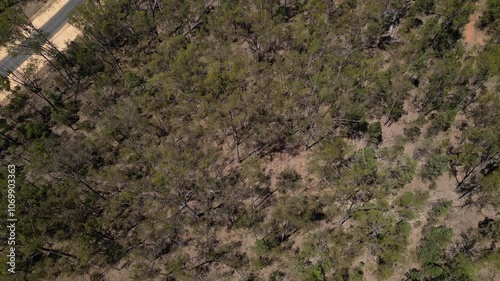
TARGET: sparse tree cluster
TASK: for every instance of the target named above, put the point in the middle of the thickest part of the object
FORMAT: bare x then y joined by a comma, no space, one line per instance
161,141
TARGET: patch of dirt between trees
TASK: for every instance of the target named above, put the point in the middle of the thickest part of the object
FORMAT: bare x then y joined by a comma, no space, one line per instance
473,36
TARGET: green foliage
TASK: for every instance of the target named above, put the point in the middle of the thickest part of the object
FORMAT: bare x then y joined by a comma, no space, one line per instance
375,133
82,56
424,6
434,167
363,170
442,121
132,80
410,199
261,246
412,132
410,202
388,239
357,113
277,276
300,212
329,157
35,130
4,83
456,265
488,187
68,114
489,60
491,13
432,249
456,15
318,272
397,176
441,208
289,179
396,111
356,274
181,113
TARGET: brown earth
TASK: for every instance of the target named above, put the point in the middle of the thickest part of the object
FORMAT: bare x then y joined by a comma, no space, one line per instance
473,36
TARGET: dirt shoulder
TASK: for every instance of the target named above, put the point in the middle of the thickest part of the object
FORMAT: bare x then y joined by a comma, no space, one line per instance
66,34
47,12
41,17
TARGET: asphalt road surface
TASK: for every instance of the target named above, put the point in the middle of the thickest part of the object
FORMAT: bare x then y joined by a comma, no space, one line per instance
9,63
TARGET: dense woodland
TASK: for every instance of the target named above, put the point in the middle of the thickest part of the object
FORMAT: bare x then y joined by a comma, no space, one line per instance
156,145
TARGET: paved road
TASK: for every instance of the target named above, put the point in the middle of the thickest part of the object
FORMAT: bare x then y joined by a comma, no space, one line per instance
9,63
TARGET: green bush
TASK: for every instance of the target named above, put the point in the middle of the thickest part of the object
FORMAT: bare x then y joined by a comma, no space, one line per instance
407,213
132,80
424,6
261,246
435,166
411,199
356,274
67,115
442,121
412,132
375,133
288,179
441,208
35,130
491,13
432,249
318,272
248,219
277,276
396,110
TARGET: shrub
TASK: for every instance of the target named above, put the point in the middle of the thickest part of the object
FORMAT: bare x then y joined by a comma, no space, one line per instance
317,272
491,13
424,6
132,80
67,115
441,208
277,276
261,246
399,174
356,274
432,249
35,130
411,199
375,133
289,179
407,214
357,114
435,166
412,133
442,121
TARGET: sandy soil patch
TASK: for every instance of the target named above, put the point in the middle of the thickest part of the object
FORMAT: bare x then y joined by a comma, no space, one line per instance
393,130
474,36
282,161
65,35
3,53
